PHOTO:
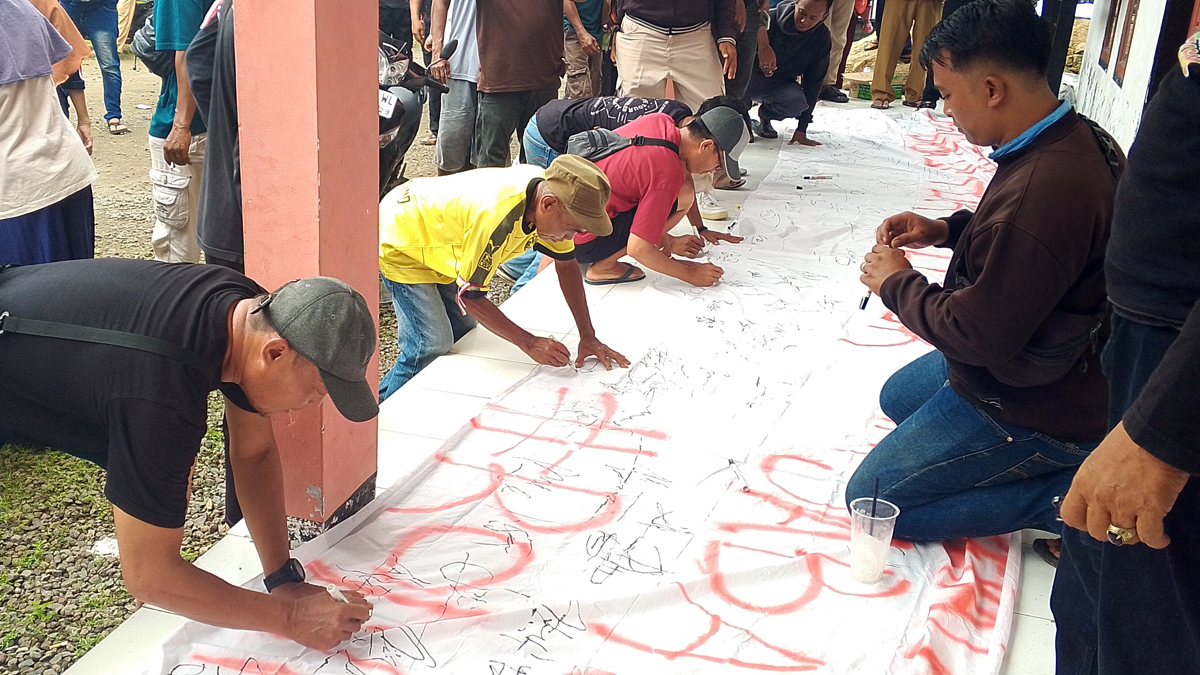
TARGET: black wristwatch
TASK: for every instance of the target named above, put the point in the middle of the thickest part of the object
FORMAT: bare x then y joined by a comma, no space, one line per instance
291,572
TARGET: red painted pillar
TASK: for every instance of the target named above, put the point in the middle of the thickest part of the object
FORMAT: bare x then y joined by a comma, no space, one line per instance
307,104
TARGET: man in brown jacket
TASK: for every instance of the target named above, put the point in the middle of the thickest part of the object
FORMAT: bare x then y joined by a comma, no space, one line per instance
991,425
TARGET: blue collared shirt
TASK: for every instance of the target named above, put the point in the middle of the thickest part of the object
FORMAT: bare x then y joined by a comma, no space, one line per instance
1031,133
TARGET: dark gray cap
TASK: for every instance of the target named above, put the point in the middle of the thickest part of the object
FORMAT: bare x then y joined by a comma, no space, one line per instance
729,130
328,322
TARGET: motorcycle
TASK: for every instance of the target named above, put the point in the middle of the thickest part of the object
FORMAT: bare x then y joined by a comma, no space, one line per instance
403,89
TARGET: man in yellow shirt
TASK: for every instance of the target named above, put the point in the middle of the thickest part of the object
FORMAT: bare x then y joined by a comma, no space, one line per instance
441,240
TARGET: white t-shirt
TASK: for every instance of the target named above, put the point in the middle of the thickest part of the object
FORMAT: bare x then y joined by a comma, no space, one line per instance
42,160
460,25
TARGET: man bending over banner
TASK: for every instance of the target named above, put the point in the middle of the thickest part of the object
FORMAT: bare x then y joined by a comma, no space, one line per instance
441,240
991,425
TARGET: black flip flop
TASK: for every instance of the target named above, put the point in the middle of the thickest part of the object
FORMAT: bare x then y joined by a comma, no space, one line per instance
1042,548
623,279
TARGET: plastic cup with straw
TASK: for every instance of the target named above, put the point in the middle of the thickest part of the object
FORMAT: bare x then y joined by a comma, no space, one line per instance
872,521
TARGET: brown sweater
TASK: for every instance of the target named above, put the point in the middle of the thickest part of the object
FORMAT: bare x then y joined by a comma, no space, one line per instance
1027,273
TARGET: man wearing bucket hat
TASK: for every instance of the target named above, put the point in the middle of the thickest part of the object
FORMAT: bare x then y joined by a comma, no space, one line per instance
112,361
441,240
652,191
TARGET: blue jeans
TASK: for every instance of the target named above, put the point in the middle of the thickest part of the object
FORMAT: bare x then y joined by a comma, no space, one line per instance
523,268
97,20
1131,609
537,151
953,470
428,323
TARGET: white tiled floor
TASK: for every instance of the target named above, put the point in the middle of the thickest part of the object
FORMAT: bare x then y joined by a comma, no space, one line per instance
415,422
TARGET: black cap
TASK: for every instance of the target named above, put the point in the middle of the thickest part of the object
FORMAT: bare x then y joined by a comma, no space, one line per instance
729,131
328,322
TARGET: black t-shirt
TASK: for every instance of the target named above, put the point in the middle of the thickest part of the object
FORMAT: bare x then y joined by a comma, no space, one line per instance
559,120
138,414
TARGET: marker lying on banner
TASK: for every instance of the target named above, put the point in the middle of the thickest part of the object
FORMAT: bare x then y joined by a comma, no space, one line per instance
744,486
818,178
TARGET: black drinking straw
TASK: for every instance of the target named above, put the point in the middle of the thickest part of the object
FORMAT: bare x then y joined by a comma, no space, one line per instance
875,497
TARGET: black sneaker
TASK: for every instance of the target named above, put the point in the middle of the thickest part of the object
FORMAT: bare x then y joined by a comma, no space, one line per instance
763,128
833,95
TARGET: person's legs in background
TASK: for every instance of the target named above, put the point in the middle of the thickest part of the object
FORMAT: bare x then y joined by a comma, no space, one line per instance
499,116
495,121
435,98
396,22
608,69
529,105
98,22
953,470
696,70
641,61
747,53
125,29
428,322
1103,593
175,190
837,21
583,70
851,29
931,96
877,21
457,124
595,71
893,34
928,13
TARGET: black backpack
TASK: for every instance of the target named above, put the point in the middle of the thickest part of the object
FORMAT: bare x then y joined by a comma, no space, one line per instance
596,144
161,63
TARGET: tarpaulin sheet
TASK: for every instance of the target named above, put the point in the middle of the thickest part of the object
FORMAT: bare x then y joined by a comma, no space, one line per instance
685,515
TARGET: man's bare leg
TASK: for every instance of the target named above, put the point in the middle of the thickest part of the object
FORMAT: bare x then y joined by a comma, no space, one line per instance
609,268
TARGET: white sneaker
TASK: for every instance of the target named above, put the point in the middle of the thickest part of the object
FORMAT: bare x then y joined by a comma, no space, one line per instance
709,208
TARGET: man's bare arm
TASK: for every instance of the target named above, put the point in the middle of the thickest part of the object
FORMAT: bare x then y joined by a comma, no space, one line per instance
154,573
256,469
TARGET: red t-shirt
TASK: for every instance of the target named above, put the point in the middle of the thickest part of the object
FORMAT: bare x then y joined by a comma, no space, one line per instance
647,177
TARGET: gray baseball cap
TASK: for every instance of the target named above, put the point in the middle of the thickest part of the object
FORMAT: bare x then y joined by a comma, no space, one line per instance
328,322
729,130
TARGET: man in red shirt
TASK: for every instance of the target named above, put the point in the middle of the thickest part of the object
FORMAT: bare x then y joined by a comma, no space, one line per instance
652,191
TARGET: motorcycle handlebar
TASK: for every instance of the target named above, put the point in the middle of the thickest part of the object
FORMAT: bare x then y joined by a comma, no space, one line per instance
416,83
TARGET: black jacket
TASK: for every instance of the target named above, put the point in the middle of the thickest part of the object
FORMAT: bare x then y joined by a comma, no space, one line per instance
798,54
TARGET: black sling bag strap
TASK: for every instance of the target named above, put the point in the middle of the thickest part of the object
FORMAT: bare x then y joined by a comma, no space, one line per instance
103,336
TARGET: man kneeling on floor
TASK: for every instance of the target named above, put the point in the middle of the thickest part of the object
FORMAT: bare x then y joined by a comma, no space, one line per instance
991,426
441,240
653,191
113,360
546,137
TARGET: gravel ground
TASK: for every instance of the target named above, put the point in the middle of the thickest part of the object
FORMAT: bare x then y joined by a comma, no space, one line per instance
59,597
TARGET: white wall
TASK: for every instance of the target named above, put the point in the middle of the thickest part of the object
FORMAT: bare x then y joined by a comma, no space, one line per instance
1119,108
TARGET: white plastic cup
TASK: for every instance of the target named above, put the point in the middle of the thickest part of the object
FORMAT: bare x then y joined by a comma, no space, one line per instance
870,538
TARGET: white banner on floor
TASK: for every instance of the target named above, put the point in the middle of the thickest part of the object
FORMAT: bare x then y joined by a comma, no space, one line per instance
685,515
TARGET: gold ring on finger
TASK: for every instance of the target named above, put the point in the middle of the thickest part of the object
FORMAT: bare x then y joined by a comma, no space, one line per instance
1119,536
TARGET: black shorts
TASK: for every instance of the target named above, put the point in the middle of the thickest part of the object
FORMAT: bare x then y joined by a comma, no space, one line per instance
604,247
